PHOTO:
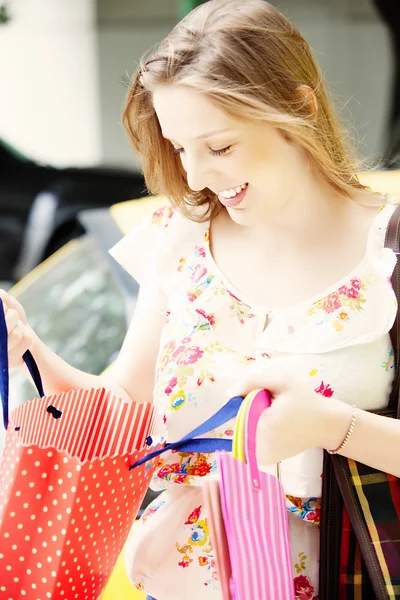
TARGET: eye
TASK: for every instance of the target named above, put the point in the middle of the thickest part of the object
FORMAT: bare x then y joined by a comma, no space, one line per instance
221,151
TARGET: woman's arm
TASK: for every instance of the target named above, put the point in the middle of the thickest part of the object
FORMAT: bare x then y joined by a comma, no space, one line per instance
299,419
375,440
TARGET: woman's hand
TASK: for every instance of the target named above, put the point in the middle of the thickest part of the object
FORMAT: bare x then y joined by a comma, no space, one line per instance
20,334
298,418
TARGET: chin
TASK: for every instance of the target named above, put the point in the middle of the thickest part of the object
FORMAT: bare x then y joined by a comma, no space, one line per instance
243,216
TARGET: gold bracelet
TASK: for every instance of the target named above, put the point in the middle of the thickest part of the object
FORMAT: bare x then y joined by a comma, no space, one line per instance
348,434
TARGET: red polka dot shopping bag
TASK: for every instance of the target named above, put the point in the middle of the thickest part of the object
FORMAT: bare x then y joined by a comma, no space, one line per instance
68,498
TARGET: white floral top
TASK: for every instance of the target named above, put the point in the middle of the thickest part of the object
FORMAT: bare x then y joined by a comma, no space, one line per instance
337,344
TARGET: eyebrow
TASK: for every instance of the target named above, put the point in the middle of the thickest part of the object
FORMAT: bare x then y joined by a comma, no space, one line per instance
203,136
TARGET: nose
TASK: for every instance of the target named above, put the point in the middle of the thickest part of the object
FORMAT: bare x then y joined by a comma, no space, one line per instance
198,174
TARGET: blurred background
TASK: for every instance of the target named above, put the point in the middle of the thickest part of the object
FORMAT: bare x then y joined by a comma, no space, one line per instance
66,165
64,69
65,64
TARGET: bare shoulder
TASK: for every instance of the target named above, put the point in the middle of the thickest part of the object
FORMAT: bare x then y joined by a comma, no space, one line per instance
365,212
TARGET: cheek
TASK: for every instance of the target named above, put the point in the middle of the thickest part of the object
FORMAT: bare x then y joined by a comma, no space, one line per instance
267,161
241,166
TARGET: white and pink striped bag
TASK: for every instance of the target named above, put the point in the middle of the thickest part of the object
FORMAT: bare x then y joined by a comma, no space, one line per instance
248,518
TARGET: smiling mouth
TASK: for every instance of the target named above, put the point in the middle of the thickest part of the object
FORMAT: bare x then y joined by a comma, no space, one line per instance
232,198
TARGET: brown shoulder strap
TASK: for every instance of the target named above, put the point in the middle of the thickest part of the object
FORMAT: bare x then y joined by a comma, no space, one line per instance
392,240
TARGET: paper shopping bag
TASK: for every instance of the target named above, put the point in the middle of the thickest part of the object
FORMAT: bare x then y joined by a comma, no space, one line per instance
68,498
253,514
212,502
247,509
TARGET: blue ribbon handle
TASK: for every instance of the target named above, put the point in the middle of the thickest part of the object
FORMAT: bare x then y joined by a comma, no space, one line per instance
192,443
4,370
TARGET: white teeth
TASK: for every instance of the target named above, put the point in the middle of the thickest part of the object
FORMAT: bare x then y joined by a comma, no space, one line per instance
232,192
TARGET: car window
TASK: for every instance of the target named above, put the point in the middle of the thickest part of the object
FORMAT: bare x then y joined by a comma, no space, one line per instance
77,309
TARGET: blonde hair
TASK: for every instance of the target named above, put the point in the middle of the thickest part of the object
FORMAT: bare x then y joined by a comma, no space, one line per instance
251,61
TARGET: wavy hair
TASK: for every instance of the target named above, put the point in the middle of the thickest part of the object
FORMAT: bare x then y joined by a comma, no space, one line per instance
251,61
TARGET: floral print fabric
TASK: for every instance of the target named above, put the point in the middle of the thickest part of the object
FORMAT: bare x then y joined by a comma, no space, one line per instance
336,344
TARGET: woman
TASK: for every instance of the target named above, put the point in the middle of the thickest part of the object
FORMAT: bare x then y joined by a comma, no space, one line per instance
267,271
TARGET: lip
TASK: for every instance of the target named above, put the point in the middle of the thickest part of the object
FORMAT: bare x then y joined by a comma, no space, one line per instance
233,202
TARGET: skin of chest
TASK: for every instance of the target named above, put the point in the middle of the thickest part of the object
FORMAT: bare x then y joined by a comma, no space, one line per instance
286,275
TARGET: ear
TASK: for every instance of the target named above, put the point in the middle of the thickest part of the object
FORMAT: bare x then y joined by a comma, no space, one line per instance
308,100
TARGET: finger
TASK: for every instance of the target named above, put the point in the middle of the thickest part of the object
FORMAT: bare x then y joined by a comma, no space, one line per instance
15,358
14,304
11,302
12,318
4,297
17,336
15,354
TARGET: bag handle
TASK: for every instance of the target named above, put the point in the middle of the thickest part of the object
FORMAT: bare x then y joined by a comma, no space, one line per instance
251,411
4,367
261,402
192,443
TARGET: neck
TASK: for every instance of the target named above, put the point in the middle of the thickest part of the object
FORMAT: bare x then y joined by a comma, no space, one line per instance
308,213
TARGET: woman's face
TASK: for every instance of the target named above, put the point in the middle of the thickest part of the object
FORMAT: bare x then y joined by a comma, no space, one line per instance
249,165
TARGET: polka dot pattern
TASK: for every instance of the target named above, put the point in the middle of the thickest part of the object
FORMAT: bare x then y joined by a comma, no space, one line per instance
54,518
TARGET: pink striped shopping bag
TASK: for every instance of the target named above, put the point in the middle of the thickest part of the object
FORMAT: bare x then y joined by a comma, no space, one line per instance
248,518
245,507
